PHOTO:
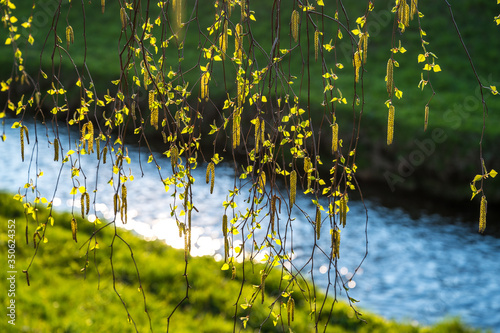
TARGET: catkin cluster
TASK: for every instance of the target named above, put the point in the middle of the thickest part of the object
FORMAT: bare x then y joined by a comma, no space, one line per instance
404,13
414,8
88,136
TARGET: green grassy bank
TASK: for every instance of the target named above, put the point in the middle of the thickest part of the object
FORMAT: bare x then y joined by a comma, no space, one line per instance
61,298
441,167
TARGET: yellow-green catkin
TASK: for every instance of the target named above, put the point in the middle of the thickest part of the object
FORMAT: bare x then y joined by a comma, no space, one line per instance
357,64
153,107
104,154
238,42
70,35
257,133
243,4
56,149
124,204
318,223
404,13
233,272
263,286
205,78
364,45
293,186
23,132
336,243
262,180
290,309
123,17
103,5
273,213
210,176
132,109
308,169
223,40
174,157
88,136
85,203
390,77
390,125
74,229
343,210
482,214
226,242
414,8
236,129
295,20
335,137
116,203
316,45
426,120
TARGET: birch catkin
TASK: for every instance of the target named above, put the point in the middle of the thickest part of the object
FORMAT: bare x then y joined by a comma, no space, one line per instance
290,309
224,232
335,137
318,223
238,41
482,214
74,229
70,35
316,45
174,157
56,149
390,77
210,176
295,20
357,64
123,17
124,204
205,78
390,125
263,286
426,121
414,9
293,187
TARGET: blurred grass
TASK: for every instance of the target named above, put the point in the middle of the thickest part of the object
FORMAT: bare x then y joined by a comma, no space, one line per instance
62,299
455,109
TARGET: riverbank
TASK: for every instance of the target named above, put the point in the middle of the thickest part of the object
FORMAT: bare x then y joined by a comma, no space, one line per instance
61,297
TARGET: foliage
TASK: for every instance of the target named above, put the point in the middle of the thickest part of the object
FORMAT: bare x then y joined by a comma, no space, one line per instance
62,298
277,97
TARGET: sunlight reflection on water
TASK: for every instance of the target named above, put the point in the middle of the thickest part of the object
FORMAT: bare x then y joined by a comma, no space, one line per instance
423,269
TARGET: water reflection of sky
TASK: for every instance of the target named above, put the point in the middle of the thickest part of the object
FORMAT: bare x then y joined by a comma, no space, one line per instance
422,269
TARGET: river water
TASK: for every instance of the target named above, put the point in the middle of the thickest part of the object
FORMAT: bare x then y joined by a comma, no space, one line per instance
417,269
